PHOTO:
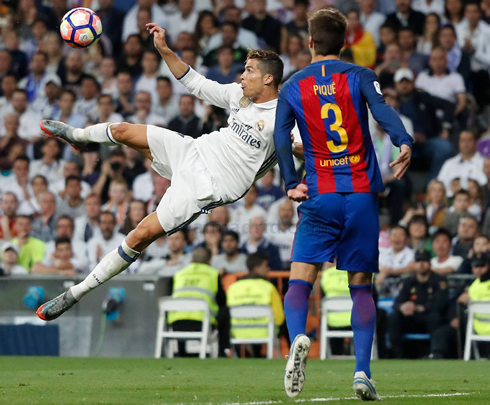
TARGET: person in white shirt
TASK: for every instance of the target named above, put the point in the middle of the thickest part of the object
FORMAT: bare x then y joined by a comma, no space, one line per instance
214,169
130,24
442,83
18,182
20,106
444,263
231,260
429,6
143,184
148,80
282,235
105,110
143,114
50,166
241,216
167,105
467,164
108,239
184,20
87,105
70,168
371,20
88,226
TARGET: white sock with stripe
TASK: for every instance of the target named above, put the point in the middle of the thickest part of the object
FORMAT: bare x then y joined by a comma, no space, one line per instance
111,265
98,133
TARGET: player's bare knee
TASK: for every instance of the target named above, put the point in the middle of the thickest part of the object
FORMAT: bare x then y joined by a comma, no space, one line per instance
120,132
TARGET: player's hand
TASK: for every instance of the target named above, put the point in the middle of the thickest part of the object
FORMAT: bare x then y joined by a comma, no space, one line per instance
159,37
402,162
299,193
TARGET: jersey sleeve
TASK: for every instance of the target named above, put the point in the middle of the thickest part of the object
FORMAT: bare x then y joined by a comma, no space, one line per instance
208,90
383,113
285,121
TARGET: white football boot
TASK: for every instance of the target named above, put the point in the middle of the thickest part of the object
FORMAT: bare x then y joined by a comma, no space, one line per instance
294,376
364,387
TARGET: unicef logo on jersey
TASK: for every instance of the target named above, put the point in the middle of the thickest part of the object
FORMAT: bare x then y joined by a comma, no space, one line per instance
241,131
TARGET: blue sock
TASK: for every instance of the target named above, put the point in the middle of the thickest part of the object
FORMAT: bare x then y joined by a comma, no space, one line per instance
296,307
363,321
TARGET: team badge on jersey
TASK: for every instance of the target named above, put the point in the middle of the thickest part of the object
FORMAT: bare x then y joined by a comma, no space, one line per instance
260,125
377,87
244,102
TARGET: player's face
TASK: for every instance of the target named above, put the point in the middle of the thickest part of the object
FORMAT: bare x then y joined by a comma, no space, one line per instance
252,81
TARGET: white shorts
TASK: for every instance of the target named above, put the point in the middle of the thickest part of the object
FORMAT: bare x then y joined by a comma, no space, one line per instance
193,190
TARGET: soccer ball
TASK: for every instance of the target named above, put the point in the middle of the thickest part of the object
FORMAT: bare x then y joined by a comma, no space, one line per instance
80,28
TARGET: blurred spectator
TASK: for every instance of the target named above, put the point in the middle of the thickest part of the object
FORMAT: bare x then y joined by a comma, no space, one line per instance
105,241
184,19
65,112
48,105
407,39
282,235
157,250
387,69
370,19
148,79
299,24
11,144
387,36
44,226
143,114
204,278
17,60
229,35
418,234
18,181
32,206
214,120
130,25
444,263
72,205
107,77
136,213
60,260
359,41
10,261
87,104
87,226
143,183
212,237
111,19
240,217
130,60
226,70
167,105
480,245
406,16
293,48
118,200
124,99
35,82
440,82
160,186
74,72
31,250
50,165
175,261
268,192
33,43
454,12
8,86
9,207
5,62
394,262
436,203
19,106
467,232
258,243
425,43
429,7
105,110
468,164
186,122
269,31
231,260
53,46
70,169
206,28
476,199
419,308
254,289
457,211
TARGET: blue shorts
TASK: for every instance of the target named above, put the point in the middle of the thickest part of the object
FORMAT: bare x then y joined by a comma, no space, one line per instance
342,226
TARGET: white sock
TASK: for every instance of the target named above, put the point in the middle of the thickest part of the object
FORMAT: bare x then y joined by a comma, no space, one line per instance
111,265
98,133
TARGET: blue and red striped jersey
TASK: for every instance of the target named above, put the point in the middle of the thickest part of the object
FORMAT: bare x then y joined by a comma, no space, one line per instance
329,99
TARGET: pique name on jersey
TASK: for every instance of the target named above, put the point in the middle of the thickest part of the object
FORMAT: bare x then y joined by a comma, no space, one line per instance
241,131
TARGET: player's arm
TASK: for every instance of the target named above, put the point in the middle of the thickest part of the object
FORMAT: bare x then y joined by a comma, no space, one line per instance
388,119
204,89
285,120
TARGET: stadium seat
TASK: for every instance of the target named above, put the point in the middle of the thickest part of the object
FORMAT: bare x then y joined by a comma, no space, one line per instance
205,336
476,307
336,304
253,312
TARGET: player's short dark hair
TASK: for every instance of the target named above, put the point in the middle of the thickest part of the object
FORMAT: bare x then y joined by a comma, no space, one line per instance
269,64
164,79
442,232
255,260
73,177
61,240
327,28
233,234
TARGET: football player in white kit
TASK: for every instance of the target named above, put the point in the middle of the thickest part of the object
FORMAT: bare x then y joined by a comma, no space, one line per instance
212,170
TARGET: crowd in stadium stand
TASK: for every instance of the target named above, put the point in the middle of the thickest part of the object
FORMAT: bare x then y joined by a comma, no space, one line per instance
62,211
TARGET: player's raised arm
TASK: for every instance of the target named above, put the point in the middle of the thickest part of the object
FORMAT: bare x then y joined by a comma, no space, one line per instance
388,119
285,120
204,89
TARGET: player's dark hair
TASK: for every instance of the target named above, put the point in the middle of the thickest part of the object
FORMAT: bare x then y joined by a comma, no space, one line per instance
233,234
61,240
327,28
70,178
269,64
442,232
255,260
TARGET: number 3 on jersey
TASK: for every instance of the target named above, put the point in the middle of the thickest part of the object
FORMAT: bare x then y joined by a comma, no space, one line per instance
336,126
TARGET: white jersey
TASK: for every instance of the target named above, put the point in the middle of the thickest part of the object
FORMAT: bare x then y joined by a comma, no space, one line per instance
244,151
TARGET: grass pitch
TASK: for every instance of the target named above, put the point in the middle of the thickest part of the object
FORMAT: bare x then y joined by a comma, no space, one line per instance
34,380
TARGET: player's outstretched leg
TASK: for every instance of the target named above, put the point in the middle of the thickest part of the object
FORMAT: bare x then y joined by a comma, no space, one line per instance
112,264
363,321
301,282
107,133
